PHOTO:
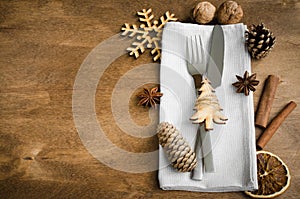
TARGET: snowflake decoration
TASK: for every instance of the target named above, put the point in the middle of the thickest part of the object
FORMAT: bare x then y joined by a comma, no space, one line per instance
148,35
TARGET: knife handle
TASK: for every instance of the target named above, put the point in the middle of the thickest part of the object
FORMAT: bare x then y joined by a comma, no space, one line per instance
207,150
198,171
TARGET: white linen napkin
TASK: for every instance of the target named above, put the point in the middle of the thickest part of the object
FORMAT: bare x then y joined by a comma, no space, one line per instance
234,145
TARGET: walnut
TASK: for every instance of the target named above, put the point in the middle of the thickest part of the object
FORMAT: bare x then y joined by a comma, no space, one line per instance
204,12
230,12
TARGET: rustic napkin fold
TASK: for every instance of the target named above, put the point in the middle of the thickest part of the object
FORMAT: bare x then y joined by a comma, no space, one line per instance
234,143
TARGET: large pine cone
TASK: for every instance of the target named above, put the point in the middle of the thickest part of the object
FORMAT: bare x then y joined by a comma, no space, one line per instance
178,150
259,40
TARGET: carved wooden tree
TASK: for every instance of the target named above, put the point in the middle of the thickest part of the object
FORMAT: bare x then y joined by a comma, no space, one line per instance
207,107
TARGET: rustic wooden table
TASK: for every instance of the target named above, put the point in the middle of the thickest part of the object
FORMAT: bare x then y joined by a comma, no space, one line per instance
43,44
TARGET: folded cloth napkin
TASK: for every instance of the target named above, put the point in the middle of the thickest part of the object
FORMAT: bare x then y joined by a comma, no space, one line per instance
234,144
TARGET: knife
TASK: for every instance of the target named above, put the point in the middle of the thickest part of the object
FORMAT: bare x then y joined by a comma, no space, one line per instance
214,71
214,74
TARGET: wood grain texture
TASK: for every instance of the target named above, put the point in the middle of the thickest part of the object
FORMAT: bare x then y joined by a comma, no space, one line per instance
42,45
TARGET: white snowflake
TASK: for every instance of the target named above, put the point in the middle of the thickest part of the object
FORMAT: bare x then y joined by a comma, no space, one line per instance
148,35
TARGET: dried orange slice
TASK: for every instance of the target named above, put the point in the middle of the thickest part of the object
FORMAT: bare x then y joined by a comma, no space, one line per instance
273,176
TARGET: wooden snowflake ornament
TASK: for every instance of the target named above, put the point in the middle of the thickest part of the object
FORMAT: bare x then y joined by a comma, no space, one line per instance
207,107
148,35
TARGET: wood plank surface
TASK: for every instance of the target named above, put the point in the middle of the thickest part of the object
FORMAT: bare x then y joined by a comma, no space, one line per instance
42,46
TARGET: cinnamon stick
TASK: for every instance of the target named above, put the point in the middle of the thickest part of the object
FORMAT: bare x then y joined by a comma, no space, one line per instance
274,125
266,101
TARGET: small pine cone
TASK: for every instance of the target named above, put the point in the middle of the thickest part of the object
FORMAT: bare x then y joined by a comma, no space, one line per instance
178,150
259,40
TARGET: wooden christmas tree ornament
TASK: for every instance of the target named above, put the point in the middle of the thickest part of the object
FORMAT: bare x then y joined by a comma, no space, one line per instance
207,107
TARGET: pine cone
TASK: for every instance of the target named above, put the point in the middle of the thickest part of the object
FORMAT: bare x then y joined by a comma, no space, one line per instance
259,40
178,150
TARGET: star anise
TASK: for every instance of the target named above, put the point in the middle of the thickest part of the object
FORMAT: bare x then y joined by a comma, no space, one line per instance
150,97
246,83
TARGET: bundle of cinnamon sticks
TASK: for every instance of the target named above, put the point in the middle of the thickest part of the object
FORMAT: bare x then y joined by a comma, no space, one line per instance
264,109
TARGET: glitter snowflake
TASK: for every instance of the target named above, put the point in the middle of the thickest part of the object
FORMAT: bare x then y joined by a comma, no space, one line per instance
148,35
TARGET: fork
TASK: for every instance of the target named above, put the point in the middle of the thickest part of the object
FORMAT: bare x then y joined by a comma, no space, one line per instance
196,67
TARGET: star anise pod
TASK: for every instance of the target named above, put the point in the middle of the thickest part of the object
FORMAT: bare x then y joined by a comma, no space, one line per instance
150,97
246,83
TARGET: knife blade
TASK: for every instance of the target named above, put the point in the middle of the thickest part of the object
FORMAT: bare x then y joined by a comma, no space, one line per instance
216,61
